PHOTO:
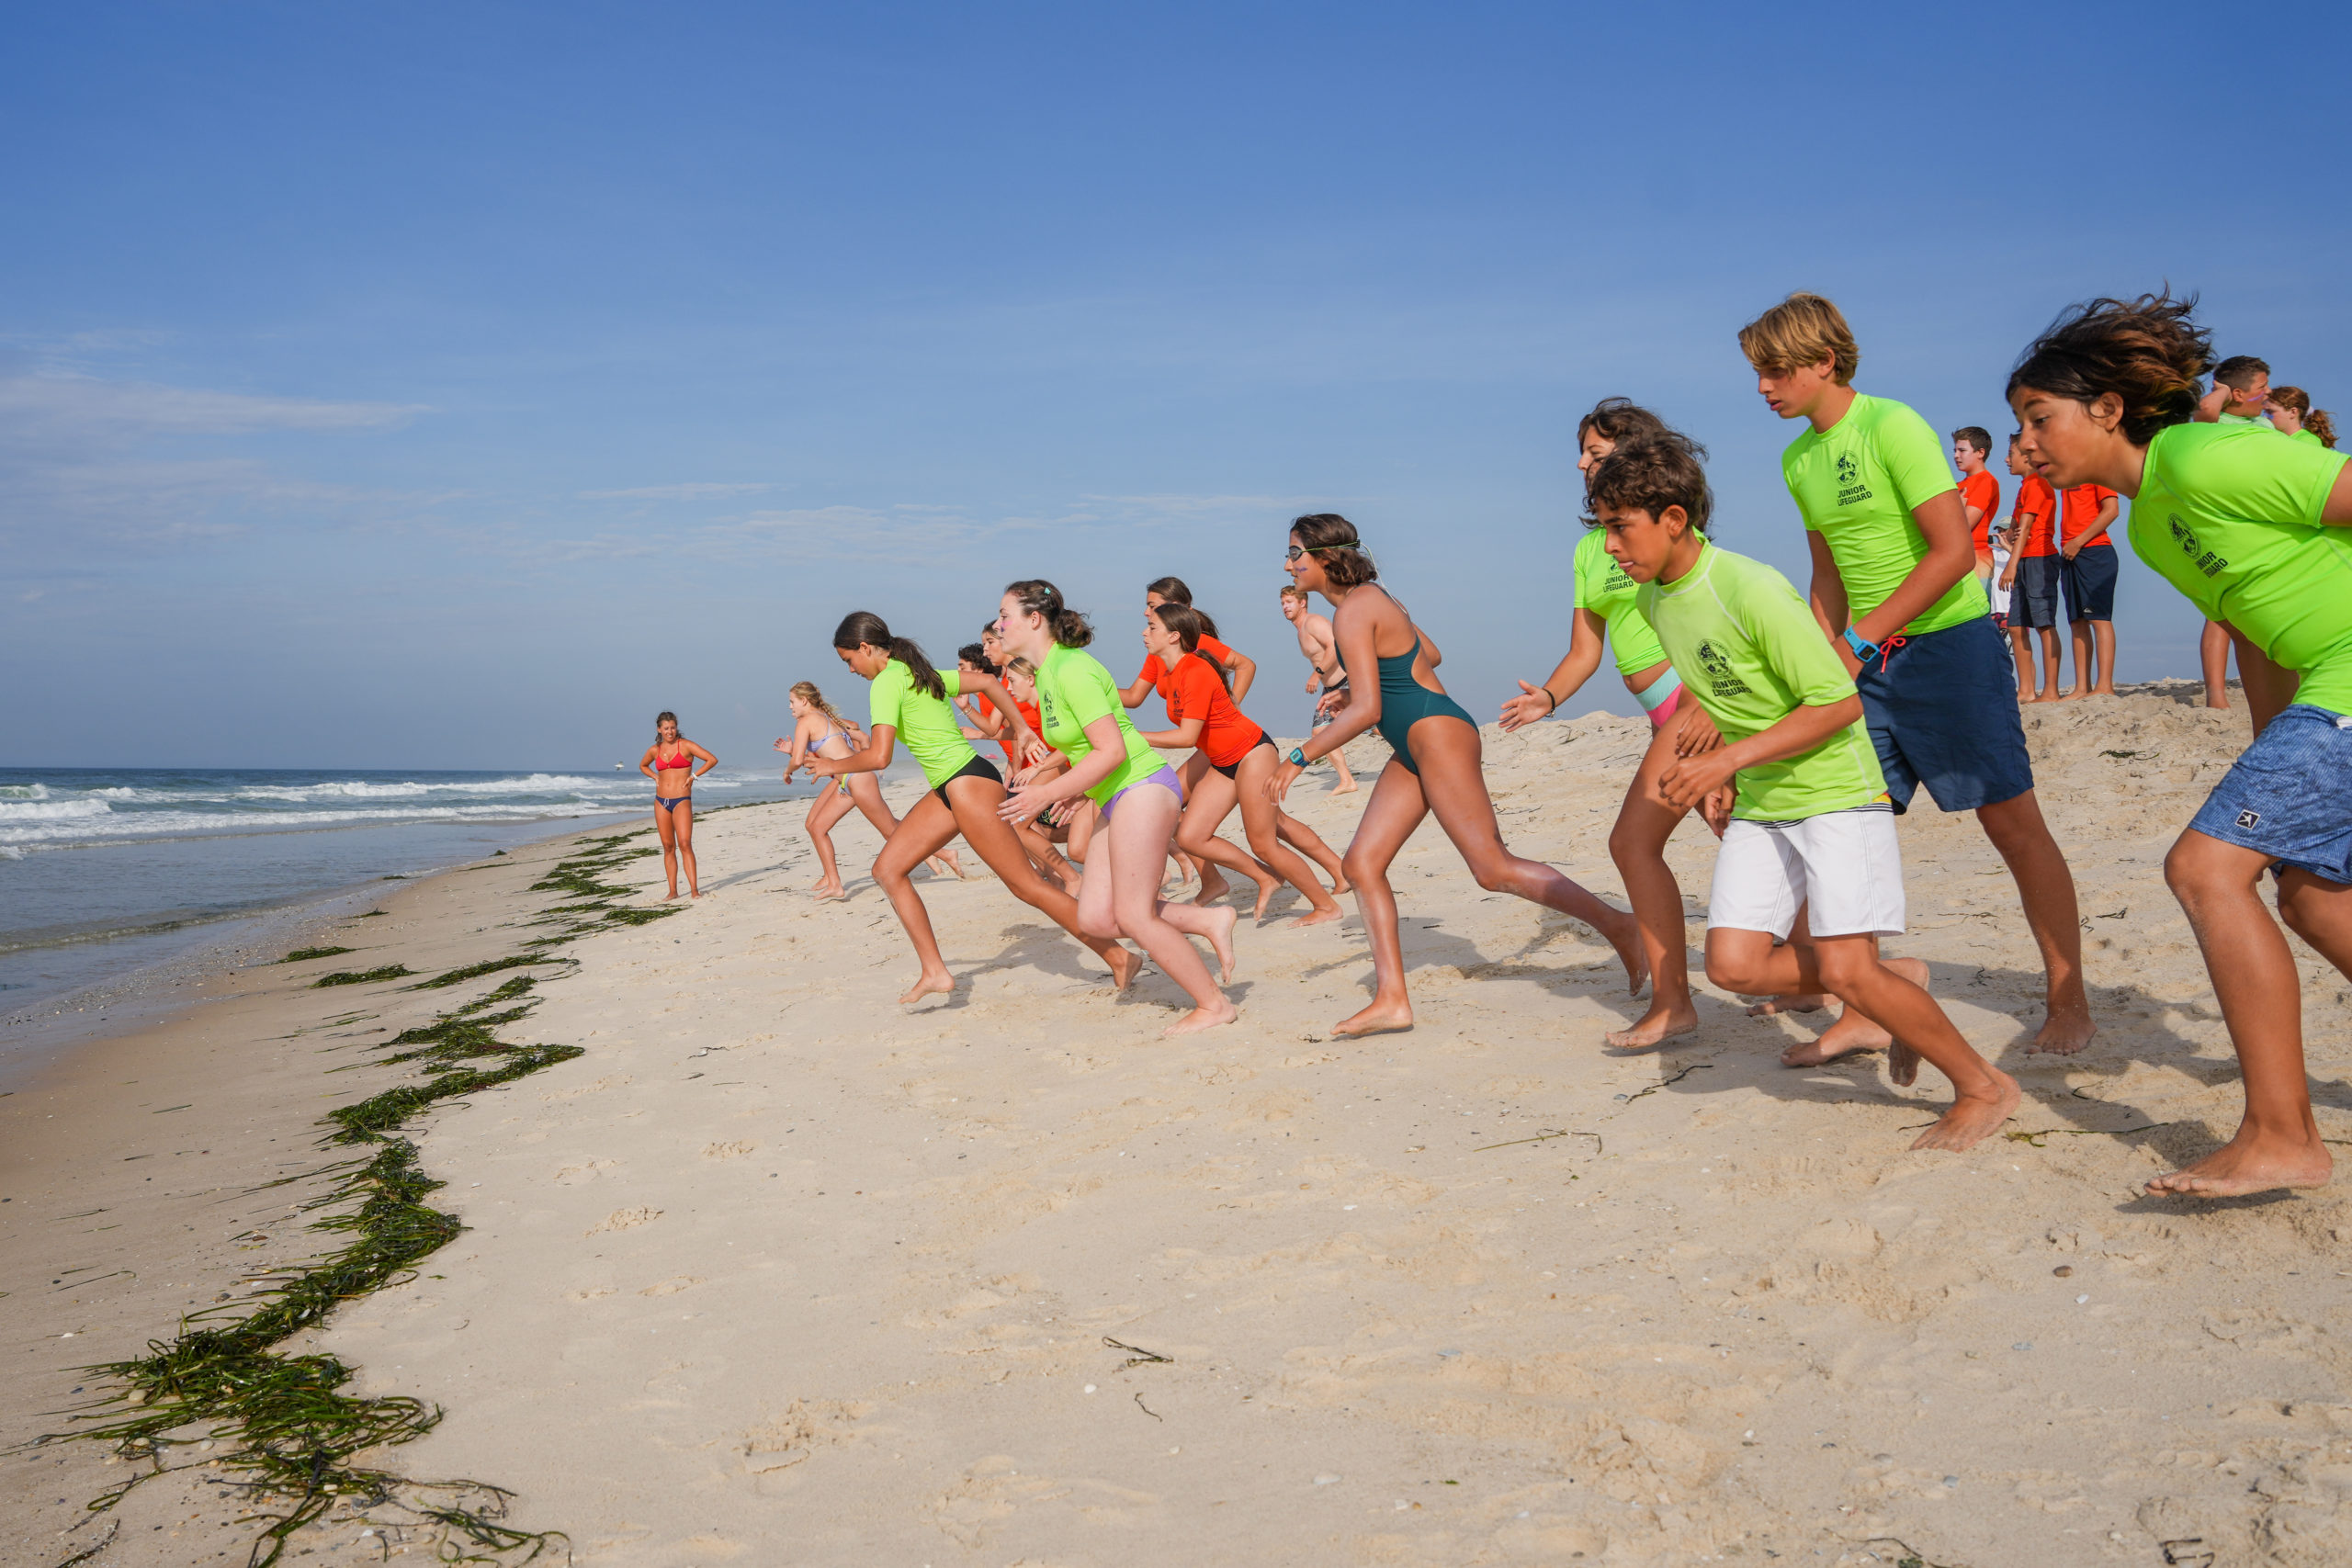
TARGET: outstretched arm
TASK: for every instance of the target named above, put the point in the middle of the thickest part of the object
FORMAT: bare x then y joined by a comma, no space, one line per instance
1185,736
871,758
1008,713
1585,634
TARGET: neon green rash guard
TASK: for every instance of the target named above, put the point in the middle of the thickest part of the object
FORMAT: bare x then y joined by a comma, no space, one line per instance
1749,648
1603,587
1856,484
927,726
2307,435
1073,690
2232,519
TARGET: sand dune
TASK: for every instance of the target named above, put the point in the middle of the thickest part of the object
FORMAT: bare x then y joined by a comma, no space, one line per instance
778,1272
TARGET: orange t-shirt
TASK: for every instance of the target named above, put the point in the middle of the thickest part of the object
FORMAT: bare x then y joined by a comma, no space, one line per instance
1028,717
2038,503
1193,691
2081,506
1156,673
1983,491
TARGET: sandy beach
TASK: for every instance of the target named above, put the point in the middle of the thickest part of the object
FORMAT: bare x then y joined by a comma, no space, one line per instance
774,1271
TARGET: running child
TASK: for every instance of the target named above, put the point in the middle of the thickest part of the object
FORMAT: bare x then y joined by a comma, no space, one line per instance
1604,608
1241,757
2032,577
2240,395
911,699
1134,794
1239,669
1894,588
988,724
1980,492
1809,853
2251,530
1436,767
819,730
1326,679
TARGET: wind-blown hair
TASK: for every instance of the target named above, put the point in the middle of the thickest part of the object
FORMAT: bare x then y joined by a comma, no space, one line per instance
2149,352
1333,539
1619,420
1039,597
1650,476
807,692
863,628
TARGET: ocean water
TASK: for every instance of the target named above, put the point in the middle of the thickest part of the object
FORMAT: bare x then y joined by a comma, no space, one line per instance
105,873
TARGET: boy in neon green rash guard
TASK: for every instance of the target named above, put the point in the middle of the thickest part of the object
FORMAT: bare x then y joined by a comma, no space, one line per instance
1895,592
2253,530
1605,613
1809,852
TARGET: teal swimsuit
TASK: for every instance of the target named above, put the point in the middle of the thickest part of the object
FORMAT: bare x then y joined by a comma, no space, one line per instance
1403,702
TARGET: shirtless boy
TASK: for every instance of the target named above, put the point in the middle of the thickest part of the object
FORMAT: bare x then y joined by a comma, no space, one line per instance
1323,657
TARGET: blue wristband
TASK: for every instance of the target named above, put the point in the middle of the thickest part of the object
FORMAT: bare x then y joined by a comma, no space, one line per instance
1864,650
1297,758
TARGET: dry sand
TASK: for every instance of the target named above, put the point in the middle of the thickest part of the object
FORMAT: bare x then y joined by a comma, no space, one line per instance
779,1273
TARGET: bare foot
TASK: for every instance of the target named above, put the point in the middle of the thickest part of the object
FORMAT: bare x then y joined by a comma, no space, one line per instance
1266,890
946,865
1770,1005
2249,1163
1663,1022
1221,941
1380,1018
1340,884
1321,917
1850,1034
938,985
1202,1018
1629,952
827,895
2064,1032
666,897
694,892
1124,966
1213,885
1972,1119
1346,788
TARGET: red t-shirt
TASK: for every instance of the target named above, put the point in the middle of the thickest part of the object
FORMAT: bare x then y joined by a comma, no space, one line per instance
2081,506
1028,717
1983,491
1193,691
2038,503
1155,672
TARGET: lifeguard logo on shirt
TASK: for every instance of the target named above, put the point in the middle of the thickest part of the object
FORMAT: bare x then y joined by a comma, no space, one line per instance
1719,679
1851,490
2184,536
1617,581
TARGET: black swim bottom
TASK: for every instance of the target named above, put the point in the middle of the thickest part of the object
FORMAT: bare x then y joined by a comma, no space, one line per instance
1233,770
977,768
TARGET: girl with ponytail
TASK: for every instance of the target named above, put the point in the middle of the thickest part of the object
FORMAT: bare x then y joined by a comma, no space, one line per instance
2253,532
1136,796
2291,413
909,699
1236,758
819,730
1392,684
1236,670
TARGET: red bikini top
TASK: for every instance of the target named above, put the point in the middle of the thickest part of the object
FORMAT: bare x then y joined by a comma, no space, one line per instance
682,759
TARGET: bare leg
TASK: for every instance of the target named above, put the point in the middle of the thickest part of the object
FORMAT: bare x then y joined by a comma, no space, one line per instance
2049,665
918,838
1849,967
827,809
2079,634
2213,656
2022,654
866,791
1121,893
1261,821
2047,888
2253,970
1396,808
1048,860
669,848
1347,784
1637,845
1206,809
2103,634
1455,787
993,839
682,818
1308,842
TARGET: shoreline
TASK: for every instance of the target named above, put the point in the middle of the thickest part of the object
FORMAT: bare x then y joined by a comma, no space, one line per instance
779,1271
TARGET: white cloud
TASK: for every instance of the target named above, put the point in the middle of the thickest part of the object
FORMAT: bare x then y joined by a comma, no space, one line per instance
51,408
691,490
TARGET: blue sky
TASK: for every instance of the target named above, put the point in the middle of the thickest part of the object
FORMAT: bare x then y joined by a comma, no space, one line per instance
455,386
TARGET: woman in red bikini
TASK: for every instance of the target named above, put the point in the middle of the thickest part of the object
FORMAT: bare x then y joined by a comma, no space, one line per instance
670,763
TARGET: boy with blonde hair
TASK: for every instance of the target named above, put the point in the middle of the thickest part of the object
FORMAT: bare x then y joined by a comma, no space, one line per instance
1895,592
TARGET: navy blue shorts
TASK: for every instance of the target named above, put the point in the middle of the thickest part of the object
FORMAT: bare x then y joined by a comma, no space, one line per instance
2285,797
1943,712
2033,601
2089,581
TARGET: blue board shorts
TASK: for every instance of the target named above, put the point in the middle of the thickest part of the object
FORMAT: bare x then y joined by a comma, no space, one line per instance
1942,710
2285,797
2089,581
2033,601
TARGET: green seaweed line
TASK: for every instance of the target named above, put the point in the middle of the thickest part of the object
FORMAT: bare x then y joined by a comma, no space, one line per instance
294,1428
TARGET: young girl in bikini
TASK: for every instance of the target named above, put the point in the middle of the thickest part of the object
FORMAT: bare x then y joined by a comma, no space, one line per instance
1436,767
1604,608
819,730
670,763
1240,758
1134,792
911,700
